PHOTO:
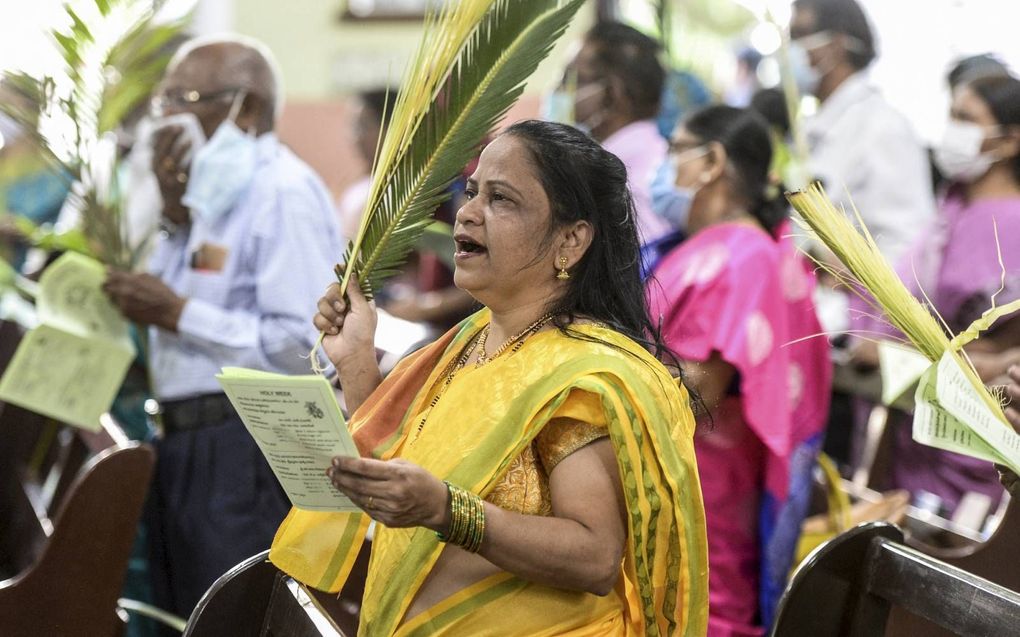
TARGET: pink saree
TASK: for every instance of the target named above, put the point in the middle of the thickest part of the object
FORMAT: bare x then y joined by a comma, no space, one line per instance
735,290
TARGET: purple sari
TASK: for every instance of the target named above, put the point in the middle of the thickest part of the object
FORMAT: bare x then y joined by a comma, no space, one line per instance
956,264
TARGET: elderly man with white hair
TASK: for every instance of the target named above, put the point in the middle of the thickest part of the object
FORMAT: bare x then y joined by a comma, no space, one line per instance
248,243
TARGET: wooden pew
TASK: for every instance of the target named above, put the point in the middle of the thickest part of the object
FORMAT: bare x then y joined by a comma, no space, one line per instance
70,502
995,558
255,598
850,586
10,335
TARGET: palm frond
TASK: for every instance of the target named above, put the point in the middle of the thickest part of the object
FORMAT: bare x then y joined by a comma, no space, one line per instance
664,25
470,68
867,268
113,57
134,66
858,252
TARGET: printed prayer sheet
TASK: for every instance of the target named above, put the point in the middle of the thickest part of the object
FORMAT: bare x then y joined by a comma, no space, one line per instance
72,364
949,414
298,425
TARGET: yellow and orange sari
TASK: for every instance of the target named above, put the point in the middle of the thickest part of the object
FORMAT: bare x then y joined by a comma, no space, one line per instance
482,423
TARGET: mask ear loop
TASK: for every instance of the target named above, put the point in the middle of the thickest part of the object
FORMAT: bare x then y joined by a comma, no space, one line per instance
235,108
1000,132
587,93
1010,131
570,88
689,155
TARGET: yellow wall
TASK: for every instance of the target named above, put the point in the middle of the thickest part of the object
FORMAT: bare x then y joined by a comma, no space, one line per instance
323,56
324,59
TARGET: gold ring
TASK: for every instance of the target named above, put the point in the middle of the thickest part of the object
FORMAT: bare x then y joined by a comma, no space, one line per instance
182,177
368,504
168,164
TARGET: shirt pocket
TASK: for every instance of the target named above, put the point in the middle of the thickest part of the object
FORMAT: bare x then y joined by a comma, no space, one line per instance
208,286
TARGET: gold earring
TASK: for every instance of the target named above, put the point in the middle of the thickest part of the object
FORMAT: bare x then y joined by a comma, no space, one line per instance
563,275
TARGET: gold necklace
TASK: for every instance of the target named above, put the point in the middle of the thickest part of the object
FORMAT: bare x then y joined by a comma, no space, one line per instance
478,342
459,365
517,340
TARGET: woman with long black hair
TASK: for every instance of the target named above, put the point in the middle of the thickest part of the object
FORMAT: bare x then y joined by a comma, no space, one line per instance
532,472
734,301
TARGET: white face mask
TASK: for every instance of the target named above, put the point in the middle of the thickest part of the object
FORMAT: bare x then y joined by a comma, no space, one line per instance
221,170
959,156
806,76
191,133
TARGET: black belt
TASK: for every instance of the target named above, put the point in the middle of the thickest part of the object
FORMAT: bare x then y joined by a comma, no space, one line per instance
194,413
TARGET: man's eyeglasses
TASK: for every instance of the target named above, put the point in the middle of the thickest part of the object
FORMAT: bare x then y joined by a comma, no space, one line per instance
179,100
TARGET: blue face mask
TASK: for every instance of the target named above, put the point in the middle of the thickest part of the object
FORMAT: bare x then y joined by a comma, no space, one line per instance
669,201
806,77
221,170
558,106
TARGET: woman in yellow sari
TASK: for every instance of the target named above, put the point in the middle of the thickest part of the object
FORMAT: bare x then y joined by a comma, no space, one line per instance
532,472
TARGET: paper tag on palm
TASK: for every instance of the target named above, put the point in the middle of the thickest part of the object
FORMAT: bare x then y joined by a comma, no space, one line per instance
949,414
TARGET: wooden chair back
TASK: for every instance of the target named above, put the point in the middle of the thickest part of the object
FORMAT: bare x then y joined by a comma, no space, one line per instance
850,585
71,564
70,502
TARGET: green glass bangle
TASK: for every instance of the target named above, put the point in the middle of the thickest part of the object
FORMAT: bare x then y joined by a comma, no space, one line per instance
467,519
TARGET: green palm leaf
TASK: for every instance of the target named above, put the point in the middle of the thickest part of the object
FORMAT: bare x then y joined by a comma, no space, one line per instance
113,57
470,69
136,64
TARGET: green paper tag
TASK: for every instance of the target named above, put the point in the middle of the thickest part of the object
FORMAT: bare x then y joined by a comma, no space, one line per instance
949,414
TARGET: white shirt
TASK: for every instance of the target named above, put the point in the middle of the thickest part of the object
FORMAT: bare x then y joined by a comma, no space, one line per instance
860,144
352,206
277,247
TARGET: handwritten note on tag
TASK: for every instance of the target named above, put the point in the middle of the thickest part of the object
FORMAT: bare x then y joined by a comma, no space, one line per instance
298,426
71,366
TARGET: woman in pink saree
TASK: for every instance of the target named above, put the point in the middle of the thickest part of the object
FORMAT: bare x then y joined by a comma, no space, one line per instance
734,303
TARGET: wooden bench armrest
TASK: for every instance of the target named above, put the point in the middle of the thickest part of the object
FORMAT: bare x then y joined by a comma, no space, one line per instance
943,594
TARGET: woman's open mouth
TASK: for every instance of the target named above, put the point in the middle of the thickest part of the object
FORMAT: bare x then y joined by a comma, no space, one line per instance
466,248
